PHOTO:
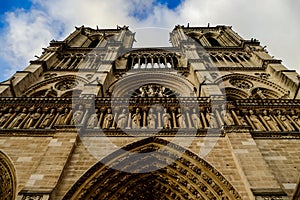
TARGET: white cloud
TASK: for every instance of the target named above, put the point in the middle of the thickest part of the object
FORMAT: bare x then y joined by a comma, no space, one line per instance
273,22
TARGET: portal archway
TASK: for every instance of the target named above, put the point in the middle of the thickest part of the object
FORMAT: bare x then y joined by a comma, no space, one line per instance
188,177
8,180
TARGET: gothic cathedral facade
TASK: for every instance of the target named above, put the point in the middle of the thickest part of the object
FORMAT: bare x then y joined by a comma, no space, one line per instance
213,116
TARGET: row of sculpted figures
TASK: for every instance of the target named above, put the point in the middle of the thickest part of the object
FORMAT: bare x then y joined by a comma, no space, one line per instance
148,117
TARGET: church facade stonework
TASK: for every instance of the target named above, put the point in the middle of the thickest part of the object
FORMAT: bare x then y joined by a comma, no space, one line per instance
214,116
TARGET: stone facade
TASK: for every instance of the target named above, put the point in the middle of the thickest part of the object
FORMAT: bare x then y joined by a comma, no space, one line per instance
212,117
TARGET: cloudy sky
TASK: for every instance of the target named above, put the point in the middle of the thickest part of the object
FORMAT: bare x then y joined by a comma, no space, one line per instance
27,26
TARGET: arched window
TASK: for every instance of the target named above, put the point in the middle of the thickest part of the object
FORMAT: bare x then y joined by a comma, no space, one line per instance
213,42
94,43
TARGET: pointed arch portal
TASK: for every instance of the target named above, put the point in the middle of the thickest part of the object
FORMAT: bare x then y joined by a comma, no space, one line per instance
187,177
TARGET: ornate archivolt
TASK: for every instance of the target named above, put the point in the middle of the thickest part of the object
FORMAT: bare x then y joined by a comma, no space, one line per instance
55,86
8,181
254,86
131,82
178,174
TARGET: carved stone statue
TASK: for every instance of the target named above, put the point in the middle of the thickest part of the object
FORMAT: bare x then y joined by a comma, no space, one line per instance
210,116
255,121
34,117
241,118
107,119
48,119
151,92
180,119
93,120
295,117
260,94
228,120
136,119
62,118
4,118
166,117
271,123
122,119
196,120
285,121
151,119
77,116
18,119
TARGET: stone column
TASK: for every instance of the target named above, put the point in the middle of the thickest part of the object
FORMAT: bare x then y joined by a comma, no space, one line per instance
114,123
174,117
158,110
187,112
144,125
129,118
102,110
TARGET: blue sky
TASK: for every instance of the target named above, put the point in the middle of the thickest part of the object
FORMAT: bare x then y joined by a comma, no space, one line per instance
27,26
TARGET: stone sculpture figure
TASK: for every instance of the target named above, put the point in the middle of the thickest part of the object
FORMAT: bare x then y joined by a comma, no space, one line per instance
136,119
151,119
93,120
180,119
34,117
255,121
295,117
107,119
210,116
166,117
196,120
228,120
19,118
285,121
271,123
77,116
4,118
122,120
48,119
62,118
241,118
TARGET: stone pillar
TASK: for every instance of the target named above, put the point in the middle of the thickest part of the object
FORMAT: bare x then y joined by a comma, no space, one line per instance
159,126
187,112
144,125
174,117
129,118
102,110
